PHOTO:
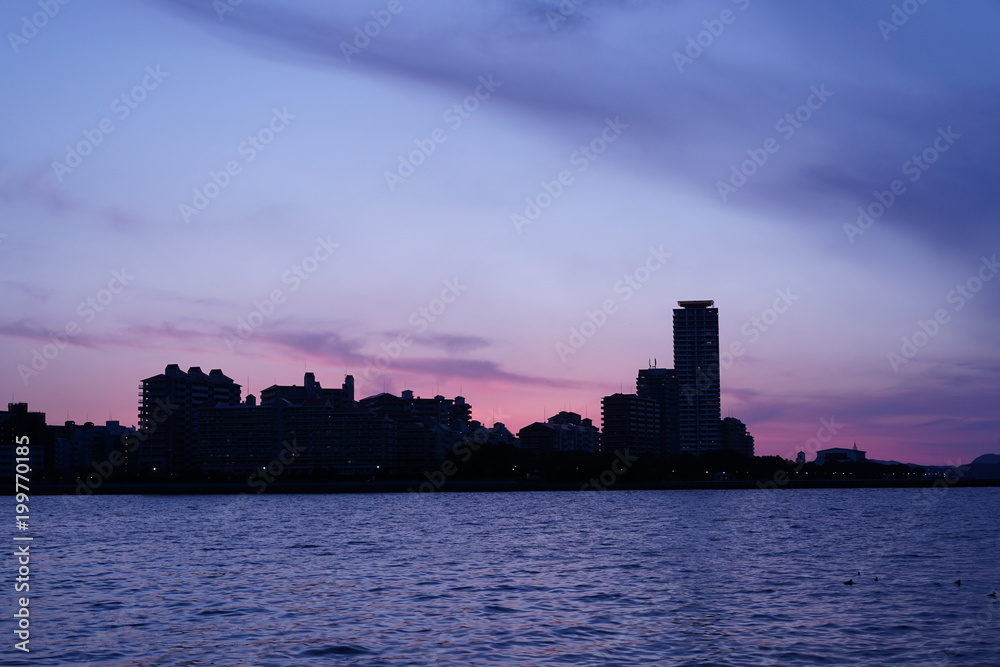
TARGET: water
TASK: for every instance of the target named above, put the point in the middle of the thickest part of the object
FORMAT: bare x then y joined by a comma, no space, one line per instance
612,578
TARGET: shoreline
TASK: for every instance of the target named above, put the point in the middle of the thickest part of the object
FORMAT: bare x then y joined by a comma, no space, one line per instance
488,486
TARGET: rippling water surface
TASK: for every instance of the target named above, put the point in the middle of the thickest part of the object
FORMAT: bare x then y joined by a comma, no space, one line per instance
613,578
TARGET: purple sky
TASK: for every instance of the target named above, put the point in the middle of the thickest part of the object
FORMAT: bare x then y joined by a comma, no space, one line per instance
465,188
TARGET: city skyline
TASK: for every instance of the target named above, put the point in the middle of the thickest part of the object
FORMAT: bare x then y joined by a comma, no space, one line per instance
266,190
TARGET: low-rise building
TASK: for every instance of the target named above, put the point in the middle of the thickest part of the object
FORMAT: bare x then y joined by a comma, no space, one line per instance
840,455
563,432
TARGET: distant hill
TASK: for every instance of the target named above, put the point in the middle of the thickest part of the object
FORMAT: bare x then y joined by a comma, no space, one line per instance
894,463
986,466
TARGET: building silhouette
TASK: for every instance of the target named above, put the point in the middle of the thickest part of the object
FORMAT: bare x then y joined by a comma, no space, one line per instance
630,422
78,446
194,425
309,436
840,455
166,413
427,429
660,385
563,432
696,363
19,422
311,390
497,435
735,437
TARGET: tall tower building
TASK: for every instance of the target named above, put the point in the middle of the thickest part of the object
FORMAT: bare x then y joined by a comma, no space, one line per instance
696,362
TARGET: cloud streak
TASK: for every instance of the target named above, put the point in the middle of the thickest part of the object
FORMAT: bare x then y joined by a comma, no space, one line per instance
684,124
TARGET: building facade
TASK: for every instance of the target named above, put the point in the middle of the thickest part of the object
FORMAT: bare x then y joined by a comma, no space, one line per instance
79,447
696,363
19,424
311,390
166,412
563,432
660,385
840,455
630,422
312,438
735,437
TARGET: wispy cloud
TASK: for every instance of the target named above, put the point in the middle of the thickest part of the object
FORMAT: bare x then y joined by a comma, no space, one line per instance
685,124
453,344
33,188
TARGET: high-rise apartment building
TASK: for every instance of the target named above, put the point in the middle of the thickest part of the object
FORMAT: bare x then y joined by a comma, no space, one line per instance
696,362
166,411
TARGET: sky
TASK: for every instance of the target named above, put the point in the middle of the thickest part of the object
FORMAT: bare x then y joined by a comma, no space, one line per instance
505,200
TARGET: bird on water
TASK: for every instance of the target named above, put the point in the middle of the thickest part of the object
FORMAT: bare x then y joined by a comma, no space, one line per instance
849,582
991,595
